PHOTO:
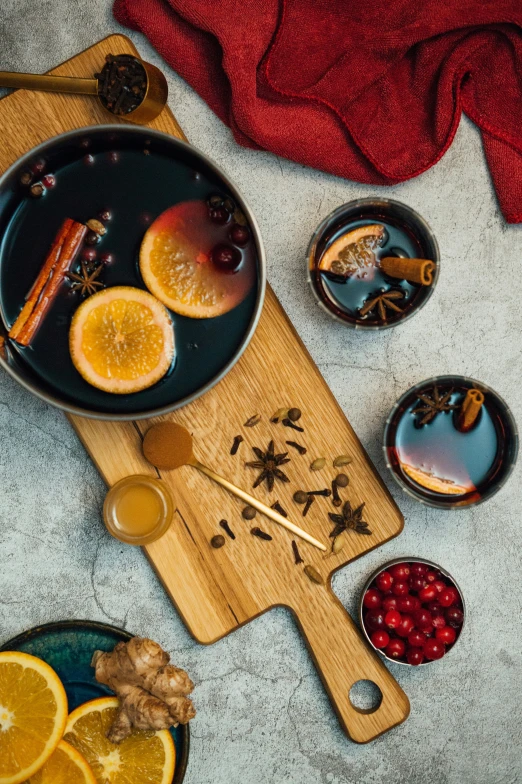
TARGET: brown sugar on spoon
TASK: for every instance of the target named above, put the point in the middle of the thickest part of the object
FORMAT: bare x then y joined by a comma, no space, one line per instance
167,446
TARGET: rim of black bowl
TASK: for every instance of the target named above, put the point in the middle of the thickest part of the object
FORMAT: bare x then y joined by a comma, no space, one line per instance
261,278
409,559
181,758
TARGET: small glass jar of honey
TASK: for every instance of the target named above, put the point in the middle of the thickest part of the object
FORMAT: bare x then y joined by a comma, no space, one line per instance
138,509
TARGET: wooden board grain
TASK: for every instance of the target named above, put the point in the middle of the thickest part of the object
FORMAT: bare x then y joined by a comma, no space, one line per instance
216,591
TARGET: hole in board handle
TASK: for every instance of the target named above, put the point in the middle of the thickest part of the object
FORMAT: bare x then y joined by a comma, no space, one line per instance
365,696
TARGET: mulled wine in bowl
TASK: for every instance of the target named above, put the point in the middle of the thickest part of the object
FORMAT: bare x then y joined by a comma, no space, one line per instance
372,263
132,272
450,442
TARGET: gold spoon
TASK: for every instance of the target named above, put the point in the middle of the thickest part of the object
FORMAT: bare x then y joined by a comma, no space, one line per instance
168,445
152,104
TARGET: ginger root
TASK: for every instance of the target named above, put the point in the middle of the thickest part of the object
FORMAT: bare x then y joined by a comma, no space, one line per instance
152,692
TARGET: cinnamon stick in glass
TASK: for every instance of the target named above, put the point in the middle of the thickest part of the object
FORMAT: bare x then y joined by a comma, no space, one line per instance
470,409
418,271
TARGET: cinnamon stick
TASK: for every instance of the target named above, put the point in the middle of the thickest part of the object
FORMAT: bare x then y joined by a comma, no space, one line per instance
43,276
470,410
418,271
69,249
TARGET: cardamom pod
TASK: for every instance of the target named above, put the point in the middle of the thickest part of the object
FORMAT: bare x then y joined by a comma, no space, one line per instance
318,464
338,544
313,575
279,415
97,226
341,460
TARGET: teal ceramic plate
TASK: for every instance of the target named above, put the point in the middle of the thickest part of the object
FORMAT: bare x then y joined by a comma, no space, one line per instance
67,646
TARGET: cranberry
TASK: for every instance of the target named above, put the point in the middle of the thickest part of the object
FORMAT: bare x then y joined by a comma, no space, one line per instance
448,597
454,617
428,593
431,576
439,585
105,215
219,215
106,258
418,569
384,581
408,604
372,599
374,620
239,235
416,638
423,620
38,166
114,156
226,257
380,639
395,649
414,656
89,254
400,571
49,181
434,607
416,583
439,621
400,588
392,619
406,626
91,238
434,649
446,635
88,160
390,603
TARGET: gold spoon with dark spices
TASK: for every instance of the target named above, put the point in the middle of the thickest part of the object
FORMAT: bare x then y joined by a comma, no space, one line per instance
168,445
126,86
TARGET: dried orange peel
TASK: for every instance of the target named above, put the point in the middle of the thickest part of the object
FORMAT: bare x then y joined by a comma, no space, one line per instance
434,483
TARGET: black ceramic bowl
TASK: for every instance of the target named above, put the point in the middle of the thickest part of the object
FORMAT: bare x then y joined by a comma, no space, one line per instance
137,174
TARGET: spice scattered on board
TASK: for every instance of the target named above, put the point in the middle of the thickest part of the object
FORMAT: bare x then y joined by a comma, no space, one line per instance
249,513
313,575
349,519
217,541
300,497
318,464
309,501
297,555
301,449
235,445
261,534
225,526
341,460
278,508
253,421
288,423
269,464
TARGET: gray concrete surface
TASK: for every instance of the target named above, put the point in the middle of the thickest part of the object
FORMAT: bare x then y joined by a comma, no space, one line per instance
262,713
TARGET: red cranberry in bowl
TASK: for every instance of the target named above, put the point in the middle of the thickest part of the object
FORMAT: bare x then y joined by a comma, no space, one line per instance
395,649
408,603
400,588
392,619
428,593
434,649
400,571
417,583
454,617
384,581
423,620
416,638
219,215
448,597
414,656
380,639
226,257
372,599
374,620
390,603
418,569
239,235
406,626
446,634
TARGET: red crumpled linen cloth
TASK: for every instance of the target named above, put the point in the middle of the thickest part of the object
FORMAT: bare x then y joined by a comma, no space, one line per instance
371,90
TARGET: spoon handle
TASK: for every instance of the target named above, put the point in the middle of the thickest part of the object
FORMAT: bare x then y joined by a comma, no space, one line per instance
266,510
50,84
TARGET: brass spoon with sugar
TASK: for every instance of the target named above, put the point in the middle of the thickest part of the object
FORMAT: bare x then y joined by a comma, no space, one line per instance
168,445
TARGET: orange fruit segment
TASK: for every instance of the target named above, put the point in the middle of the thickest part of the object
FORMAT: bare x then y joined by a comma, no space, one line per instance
64,766
121,340
33,712
353,252
177,267
142,757
435,483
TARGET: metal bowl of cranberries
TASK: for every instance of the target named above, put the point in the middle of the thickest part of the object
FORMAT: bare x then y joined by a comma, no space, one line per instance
412,611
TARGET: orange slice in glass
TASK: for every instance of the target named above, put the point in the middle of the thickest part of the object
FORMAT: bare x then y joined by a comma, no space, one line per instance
64,766
353,252
121,340
177,267
33,712
142,757
435,483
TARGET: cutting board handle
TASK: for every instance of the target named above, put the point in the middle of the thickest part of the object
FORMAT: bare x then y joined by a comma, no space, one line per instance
342,658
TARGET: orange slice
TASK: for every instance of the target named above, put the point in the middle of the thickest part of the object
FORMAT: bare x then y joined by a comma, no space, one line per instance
121,340
33,712
142,757
64,766
353,251
435,483
176,264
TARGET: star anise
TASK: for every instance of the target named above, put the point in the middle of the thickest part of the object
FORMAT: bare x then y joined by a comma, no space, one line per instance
85,280
349,519
268,462
434,404
382,301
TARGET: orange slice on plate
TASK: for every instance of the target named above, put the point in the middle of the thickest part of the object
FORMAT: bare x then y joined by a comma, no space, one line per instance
33,712
435,483
121,340
176,264
64,766
353,251
142,757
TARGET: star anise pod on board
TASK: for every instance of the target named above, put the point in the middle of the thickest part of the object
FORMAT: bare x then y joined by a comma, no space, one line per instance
85,280
382,301
349,519
269,464
434,404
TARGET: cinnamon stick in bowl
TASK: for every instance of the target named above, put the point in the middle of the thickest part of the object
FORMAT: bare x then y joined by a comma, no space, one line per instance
418,271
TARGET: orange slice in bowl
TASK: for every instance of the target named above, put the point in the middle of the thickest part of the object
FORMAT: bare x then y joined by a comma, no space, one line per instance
65,766
121,340
353,251
435,483
177,267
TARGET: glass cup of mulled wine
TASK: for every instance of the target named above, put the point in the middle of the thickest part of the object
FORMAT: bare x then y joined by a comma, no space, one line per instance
372,263
450,442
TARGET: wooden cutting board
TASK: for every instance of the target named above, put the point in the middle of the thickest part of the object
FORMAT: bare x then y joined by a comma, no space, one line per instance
216,591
